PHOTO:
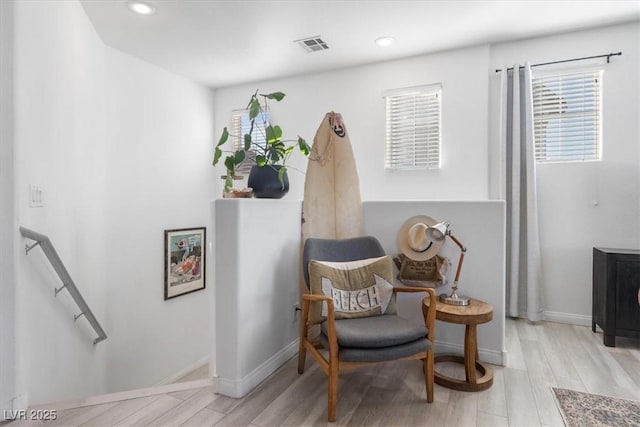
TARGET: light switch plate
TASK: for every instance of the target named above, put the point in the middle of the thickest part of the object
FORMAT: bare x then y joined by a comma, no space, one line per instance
35,196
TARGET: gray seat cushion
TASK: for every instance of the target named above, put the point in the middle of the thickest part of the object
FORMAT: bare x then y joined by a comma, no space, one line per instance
376,332
377,339
349,354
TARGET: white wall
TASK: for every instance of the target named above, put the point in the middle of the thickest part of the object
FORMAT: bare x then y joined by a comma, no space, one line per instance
60,140
257,255
121,149
7,215
159,142
356,93
570,224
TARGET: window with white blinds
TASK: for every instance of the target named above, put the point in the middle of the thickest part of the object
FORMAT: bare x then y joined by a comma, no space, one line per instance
567,116
240,125
413,128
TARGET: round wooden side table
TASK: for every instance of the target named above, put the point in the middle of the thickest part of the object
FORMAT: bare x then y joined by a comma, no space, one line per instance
477,312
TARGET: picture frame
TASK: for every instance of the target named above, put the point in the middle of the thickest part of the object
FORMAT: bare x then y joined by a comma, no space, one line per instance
184,261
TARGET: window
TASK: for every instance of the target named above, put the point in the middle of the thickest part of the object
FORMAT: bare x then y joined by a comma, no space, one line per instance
567,116
240,125
413,128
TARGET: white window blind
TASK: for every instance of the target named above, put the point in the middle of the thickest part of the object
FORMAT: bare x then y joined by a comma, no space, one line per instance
413,128
567,116
240,125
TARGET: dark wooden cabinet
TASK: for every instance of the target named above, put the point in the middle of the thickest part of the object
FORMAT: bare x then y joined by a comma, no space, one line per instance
616,293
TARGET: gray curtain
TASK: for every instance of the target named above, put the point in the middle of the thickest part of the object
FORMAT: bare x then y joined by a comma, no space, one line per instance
523,294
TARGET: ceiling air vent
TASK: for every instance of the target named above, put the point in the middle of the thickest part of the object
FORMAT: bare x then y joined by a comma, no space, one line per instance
312,44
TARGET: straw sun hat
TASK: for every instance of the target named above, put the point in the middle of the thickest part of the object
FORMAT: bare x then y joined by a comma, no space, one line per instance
412,239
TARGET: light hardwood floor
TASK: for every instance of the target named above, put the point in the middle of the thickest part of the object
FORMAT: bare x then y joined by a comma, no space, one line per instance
197,374
540,356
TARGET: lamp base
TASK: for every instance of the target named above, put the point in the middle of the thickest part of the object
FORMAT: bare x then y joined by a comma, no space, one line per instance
453,299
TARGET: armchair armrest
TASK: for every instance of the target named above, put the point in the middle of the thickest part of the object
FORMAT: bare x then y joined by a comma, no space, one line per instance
411,289
316,297
331,321
430,314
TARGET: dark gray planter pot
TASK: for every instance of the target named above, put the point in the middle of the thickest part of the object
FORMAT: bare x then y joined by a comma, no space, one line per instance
265,183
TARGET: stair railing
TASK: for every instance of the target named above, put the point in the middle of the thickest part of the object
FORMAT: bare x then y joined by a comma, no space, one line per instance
67,282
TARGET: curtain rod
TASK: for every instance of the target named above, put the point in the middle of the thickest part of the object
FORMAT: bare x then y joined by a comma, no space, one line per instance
606,55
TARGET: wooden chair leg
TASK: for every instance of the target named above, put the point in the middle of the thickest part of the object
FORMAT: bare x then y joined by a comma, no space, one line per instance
302,355
304,331
332,392
428,375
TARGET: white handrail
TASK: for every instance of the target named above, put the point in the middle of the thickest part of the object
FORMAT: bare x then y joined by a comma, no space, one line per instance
67,282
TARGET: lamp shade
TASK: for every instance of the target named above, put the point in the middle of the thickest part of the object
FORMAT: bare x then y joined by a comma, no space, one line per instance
436,233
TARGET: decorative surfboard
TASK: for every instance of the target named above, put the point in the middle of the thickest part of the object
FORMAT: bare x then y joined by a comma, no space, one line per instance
332,208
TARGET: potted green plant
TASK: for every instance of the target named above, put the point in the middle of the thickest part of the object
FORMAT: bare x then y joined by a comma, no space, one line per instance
270,157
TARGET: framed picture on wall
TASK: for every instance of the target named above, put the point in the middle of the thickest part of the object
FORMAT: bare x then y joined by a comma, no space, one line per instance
184,261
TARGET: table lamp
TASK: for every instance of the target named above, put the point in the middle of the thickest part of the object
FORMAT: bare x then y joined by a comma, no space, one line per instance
437,234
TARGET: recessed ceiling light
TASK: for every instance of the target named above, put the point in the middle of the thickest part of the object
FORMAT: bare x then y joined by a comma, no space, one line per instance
385,41
141,8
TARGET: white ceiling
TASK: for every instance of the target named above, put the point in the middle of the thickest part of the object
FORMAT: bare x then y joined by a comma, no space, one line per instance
221,43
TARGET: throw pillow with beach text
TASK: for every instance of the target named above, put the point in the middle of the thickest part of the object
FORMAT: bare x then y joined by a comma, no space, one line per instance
359,288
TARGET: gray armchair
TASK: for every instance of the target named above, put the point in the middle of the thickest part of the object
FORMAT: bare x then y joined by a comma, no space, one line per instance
360,341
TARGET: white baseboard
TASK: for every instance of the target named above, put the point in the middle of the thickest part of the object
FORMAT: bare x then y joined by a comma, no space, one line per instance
489,356
125,395
181,373
571,319
240,387
20,402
